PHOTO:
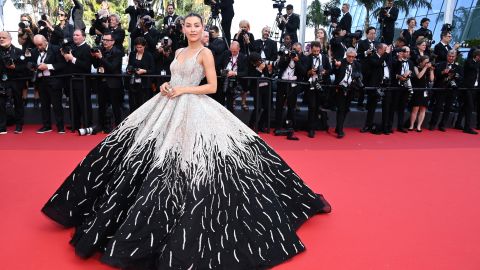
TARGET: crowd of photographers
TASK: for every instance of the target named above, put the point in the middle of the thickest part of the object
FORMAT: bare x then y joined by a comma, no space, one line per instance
410,72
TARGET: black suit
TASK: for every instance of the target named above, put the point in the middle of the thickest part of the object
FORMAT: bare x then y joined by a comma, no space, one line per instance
291,27
263,98
169,20
387,18
316,98
79,98
376,65
77,15
232,82
50,89
444,99
135,13
346,22
110,89
288,91
471,72
140,88
338,48
227,13
441,51
399,97
244,47
151,36
268,46
408,37
15,86
363,46
343,95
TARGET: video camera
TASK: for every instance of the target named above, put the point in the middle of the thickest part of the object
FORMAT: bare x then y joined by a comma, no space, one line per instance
279,5
333,12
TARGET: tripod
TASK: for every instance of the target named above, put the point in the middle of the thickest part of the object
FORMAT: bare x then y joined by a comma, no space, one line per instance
275,31
214,19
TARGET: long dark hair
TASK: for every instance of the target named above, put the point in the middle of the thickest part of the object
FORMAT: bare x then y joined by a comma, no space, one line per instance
192,14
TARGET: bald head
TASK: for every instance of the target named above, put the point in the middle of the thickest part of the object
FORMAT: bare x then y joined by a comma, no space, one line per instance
235,48
40,42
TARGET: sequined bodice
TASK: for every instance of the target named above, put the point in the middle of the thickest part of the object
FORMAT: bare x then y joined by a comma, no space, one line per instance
188,73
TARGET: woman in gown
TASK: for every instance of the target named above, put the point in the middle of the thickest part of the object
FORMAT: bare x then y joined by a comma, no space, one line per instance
183,184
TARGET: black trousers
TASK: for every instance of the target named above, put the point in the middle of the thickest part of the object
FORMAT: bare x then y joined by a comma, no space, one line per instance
50,96
81,106
372,101
263,101
315,99
137,95
387,36
399,104
467,97
387,107
227,25
442,100
16,92
342,100
285,92
109,96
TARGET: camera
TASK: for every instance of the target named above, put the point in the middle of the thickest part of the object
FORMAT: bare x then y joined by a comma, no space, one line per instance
279,5
95,49
133,75
145,4
356,35
224,72
464,44
357,80
148,22
316,85
447,28
24,24
286,52
430,42
34,67
87,131
66,49
43,22
407,84
399,50
333,12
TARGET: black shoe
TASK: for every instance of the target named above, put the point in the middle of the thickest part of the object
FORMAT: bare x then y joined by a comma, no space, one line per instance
311,133
459,127
61,130
418,130
340,134
3,131
18,129
291,136
470,131
442,129
431,128
44,130
365,129
402,130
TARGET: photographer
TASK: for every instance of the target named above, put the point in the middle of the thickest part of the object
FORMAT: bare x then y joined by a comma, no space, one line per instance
424,32
407,34
76,15
319,70
402,72
245,38
337,44
12,66
46,62
108,60
289,23
146,29
27,29
163,57
366,48
170,18
346,20
471,71
449,76
79,61
99,25
348,76
443,47
140,63
420,50
291,70
422,80
378,64
226,9
136,12
117,32
232,65
387,18
258,68
175,33
266,47
216,44
62,33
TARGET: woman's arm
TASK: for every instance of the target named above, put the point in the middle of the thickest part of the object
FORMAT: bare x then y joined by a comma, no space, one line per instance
205,58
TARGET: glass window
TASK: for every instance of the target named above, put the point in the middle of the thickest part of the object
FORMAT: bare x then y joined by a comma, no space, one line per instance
472,28
464,4
437,6
434,26
355,16
421,12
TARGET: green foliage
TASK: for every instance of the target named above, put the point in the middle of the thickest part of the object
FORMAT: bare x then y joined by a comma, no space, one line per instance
315,16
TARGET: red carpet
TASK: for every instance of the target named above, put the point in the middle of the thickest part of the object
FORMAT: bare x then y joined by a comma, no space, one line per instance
404,201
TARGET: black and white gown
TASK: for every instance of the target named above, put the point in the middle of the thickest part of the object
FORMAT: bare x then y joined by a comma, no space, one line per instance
183,184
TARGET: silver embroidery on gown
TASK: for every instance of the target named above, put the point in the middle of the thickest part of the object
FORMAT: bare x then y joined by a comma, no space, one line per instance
183,184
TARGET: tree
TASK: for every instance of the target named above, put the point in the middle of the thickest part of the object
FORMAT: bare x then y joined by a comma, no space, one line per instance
315,16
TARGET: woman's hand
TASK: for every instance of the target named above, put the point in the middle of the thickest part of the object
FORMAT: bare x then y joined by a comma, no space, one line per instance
165,88
175,92
141,71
